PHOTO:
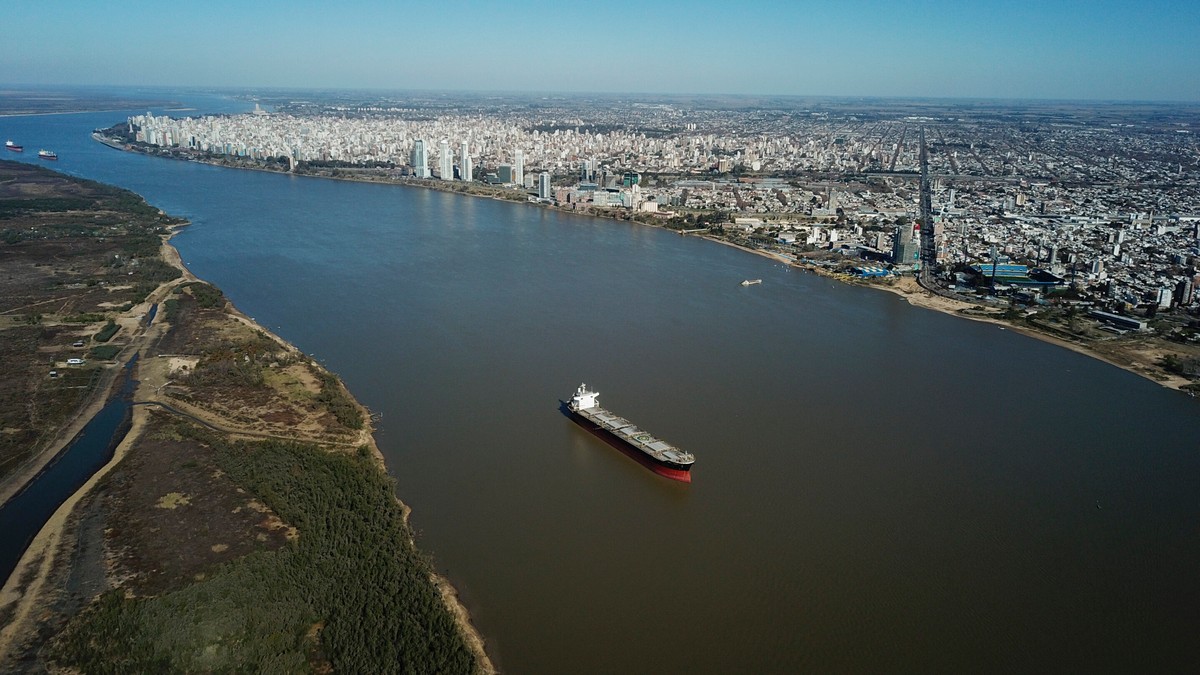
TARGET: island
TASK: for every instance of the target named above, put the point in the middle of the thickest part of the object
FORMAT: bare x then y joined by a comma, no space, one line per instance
244,518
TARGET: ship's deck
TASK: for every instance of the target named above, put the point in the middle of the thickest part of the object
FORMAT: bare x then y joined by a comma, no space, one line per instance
628,432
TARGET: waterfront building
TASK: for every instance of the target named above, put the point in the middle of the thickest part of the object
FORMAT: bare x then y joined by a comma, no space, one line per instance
505,173
544,191
445,161
518,166
420,162
464,165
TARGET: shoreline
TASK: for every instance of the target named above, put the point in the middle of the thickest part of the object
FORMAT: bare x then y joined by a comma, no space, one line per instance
418,183
925,300
70,112
37,563
917,298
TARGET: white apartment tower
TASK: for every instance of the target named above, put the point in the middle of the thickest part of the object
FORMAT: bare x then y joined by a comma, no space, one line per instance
445,161
420,162
518,168
464,165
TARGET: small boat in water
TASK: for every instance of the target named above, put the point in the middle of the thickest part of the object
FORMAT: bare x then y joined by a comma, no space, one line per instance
751,282
47,154
9,145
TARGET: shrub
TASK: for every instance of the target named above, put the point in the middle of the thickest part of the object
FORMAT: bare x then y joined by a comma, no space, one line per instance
110,329
105,352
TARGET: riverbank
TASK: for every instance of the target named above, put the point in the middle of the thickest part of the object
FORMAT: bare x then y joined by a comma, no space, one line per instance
29,598
466,189
1141,359
1144,361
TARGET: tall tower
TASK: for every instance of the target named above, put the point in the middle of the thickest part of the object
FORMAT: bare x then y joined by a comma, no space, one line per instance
420,162
445,161
907,247
544,185
519,167
464,164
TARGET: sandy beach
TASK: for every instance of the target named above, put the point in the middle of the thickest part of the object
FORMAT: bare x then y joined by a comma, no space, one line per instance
912,292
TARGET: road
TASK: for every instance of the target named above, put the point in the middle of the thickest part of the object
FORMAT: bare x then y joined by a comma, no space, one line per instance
928,244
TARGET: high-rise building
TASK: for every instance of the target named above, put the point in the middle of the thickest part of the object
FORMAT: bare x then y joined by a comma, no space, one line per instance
464,164
907,246
445,161
544,186
1184,292
420,162
519,167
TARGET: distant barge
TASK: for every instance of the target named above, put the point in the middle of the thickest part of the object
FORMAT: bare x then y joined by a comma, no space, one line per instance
657,455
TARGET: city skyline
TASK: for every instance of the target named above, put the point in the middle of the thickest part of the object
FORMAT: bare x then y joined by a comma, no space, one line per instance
1057,50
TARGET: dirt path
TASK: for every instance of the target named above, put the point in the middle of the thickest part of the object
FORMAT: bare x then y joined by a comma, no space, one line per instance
133,322
43,552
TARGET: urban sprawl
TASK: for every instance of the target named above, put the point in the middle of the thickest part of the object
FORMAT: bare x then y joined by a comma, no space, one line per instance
1069,203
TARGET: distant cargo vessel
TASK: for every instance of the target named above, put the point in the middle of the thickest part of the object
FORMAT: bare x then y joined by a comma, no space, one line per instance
659,456
13,146
47,154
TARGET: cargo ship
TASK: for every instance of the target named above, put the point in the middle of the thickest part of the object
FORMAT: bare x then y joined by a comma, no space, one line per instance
47,154
13,146
657,455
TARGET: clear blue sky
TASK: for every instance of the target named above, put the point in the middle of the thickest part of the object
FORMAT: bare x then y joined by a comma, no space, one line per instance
1094,49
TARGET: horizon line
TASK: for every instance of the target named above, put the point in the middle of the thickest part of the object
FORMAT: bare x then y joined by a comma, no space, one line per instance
547,92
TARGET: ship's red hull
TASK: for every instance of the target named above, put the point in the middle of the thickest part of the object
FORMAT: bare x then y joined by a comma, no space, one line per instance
682,475
14,148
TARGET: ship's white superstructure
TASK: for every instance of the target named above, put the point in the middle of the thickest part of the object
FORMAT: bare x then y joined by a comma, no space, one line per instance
584,403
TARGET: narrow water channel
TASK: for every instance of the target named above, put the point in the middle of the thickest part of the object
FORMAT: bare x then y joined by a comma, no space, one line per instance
24,515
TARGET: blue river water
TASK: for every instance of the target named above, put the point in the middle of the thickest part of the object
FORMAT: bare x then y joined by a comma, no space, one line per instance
877,486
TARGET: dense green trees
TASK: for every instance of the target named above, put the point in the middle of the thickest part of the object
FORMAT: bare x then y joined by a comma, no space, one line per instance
335,397
352,589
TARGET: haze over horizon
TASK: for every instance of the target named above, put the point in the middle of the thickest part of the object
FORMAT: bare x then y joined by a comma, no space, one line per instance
937,49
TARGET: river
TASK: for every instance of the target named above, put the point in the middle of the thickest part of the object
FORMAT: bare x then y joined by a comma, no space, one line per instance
877,486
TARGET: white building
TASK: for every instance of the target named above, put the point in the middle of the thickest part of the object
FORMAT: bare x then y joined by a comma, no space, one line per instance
519,167
445,161
420,162
464,164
